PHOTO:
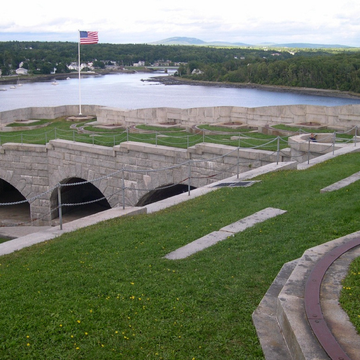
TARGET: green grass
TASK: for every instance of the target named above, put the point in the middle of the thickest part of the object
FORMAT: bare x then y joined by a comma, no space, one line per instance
350,294
224,128
106,291
177,137
160,128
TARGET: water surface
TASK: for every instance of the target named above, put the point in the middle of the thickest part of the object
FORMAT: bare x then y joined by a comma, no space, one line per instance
128,91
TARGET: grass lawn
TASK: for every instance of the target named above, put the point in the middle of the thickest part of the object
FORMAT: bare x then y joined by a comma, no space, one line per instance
175,137
350,294
106,291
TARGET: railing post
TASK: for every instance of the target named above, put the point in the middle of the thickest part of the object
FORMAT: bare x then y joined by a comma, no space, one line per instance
355,136
189,178
238,161
123,188
334,139
309,150
127,134
187,144
278,150
60,206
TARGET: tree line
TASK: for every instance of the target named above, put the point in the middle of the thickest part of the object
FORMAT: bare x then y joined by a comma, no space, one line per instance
41,57
326,69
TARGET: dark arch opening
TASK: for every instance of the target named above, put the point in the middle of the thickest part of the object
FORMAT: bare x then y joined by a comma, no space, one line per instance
12,214
163,192
85,199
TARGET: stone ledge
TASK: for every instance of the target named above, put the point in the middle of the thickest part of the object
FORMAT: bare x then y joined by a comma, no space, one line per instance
150,149
25,147
77,146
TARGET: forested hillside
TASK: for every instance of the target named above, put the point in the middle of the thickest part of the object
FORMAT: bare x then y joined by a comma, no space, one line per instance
324,69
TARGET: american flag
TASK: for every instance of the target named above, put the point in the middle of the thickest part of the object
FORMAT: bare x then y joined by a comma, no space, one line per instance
89,37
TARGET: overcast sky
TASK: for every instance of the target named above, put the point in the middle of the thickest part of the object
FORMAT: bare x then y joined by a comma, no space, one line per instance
250,22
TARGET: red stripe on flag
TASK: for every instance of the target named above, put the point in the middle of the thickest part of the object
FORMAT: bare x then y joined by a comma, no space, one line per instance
89,37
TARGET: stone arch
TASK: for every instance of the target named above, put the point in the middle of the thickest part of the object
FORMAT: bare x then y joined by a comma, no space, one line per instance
163,192
13,214
78,191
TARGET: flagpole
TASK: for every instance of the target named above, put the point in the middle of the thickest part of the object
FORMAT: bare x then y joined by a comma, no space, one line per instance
79,75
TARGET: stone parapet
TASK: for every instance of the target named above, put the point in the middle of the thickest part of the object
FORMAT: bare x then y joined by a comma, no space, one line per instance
346,116
7,117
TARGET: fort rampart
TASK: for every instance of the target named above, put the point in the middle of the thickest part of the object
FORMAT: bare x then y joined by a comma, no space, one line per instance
343,117
130,170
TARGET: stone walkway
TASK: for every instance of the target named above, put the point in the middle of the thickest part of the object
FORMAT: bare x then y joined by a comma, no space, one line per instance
223,234
342,183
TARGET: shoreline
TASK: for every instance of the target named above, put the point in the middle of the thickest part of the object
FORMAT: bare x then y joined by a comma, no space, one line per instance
14,79
172,80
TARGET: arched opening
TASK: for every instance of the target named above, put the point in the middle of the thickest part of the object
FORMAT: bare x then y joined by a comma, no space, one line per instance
16,214
79,198
163,192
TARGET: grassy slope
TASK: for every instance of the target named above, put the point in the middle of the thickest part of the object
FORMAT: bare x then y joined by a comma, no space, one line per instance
106,292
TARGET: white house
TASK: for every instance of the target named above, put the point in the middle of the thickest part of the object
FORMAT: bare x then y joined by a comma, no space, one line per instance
75,66
196,72
140,63
21,71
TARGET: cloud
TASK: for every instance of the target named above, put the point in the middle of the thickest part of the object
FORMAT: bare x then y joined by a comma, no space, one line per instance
253,22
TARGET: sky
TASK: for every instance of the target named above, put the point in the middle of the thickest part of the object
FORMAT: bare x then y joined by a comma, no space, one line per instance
251,22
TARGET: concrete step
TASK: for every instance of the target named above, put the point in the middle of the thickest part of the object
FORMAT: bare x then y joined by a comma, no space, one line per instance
342,183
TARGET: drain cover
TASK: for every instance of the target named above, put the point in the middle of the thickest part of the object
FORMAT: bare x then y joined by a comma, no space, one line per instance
236,184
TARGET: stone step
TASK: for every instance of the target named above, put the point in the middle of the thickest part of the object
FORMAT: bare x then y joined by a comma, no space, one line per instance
265,318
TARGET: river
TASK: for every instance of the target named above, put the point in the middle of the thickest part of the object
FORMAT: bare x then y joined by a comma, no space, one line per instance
128,91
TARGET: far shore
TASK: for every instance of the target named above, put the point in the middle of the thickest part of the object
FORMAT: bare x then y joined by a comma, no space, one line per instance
14,79
173,80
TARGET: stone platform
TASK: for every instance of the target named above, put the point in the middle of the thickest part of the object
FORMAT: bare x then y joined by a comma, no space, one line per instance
281,321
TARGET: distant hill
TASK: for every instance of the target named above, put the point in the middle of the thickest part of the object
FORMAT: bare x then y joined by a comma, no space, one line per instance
195,41
311,46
